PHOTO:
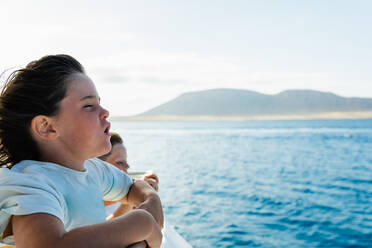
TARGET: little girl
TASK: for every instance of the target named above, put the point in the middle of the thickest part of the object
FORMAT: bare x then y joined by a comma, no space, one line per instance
51,190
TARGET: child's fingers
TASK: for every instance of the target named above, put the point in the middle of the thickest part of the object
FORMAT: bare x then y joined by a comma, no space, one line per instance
152,183
152,175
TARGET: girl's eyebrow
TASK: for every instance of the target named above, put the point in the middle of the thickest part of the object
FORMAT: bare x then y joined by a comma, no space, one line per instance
90,97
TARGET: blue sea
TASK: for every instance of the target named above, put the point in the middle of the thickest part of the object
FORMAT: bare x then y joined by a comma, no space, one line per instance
260,183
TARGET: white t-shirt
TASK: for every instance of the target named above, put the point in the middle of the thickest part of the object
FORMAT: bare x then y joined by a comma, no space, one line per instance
75,197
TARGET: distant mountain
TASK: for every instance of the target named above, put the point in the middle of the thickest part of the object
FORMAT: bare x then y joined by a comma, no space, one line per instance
234,102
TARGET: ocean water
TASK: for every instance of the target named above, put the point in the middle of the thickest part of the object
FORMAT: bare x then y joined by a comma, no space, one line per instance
260,183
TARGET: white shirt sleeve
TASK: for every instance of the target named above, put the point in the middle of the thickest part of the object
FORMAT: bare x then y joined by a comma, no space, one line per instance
115,184
22,194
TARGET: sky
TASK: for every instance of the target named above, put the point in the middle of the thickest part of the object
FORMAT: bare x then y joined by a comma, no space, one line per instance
144,53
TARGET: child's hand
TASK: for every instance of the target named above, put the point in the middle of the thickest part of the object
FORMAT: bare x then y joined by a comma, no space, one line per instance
152,183
144,197
152,179
150,174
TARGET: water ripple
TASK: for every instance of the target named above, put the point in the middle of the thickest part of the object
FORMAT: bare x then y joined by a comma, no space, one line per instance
260,183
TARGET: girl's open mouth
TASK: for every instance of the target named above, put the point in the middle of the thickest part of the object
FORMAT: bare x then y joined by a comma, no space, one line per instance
107,130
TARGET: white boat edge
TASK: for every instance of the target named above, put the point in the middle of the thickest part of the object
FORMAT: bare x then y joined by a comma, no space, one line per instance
172,239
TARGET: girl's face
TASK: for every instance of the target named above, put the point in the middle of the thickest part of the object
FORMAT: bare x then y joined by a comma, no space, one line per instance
81,121
118,157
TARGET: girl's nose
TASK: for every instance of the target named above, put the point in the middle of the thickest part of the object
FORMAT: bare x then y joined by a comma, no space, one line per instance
104,113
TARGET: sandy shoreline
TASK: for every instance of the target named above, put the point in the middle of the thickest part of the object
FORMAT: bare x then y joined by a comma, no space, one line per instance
317,116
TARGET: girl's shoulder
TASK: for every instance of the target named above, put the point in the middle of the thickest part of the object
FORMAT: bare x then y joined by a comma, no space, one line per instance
26,168
34,166
24,189
94,166
99,166
27,173
39,172
94,162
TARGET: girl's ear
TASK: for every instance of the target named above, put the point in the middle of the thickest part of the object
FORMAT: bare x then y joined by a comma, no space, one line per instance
43,128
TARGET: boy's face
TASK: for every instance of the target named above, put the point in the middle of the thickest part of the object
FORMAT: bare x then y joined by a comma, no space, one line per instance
118,157
81,123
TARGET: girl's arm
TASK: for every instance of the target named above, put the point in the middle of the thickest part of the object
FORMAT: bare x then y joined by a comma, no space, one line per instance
122,209
45,231
144,197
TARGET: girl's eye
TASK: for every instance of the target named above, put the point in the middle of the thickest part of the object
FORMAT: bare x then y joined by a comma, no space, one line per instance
89,106
119,163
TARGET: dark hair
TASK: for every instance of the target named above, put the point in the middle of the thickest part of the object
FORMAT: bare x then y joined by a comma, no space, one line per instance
114,139
34,90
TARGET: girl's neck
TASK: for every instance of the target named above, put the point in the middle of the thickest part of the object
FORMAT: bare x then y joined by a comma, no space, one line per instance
65,160
56,152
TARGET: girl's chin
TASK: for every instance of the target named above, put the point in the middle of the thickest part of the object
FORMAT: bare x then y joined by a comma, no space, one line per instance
105,150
